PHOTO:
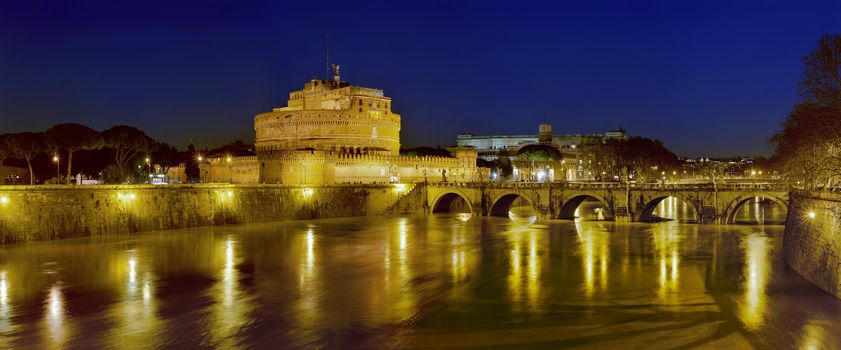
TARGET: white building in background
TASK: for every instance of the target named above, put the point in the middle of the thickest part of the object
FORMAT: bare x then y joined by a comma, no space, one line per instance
489,146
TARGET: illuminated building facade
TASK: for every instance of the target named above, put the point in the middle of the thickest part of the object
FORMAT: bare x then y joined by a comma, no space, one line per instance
334,132
489,146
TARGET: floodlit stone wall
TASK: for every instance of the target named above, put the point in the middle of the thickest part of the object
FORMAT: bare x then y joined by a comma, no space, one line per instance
37,213
812,240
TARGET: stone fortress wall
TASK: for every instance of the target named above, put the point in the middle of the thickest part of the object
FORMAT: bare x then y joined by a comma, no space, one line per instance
37,213
812,237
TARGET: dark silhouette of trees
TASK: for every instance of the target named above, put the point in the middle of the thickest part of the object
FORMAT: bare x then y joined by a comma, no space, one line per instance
26,145
5,152
166,156
807,149
71,138
425,152
191,165
636,158
821,80
127,142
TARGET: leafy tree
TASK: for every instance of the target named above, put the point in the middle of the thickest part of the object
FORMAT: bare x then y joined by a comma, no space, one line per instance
73,137
26,145
541,153
127,142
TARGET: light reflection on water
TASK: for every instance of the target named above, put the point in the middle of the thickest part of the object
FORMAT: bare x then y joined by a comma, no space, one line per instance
429,281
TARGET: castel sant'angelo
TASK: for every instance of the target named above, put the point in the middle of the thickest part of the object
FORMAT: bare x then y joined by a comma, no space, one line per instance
334,132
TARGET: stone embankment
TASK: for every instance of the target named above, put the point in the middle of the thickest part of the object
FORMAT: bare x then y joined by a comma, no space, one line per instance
37,213
812,240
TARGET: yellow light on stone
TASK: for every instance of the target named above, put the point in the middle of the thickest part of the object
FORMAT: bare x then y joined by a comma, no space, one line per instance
399,187
230,194
4,200
307,192
126,196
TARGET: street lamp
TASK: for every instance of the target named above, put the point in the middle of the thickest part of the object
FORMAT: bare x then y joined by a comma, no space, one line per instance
149,168
229,158
57,171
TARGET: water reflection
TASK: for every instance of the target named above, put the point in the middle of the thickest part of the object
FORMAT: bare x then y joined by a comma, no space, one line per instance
431,281
308,283
593,248
136,315
673,208
5,325
54,333
753,304
524,276
667,242
759,210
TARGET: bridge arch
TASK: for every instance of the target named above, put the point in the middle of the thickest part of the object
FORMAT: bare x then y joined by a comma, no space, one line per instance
444,202
729,213
647,210
503,204
575,200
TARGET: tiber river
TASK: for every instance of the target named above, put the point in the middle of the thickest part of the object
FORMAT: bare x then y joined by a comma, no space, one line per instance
437,281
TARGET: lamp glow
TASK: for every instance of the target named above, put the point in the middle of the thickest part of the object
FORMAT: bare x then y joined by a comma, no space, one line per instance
811,215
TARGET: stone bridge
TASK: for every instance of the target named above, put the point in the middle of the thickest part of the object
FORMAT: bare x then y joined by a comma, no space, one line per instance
712,203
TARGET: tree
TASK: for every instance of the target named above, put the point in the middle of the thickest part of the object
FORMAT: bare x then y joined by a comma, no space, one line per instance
807,149
26,145
191,165
639,158
127,142
73,137
166,156
5,152
540,153
821,80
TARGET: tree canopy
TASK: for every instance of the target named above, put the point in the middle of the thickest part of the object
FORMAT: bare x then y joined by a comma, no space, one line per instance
26,145
637,158
73,137
127,142
807,149
541,153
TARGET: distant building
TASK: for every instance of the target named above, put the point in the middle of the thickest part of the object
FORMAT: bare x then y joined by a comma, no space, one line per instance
488,147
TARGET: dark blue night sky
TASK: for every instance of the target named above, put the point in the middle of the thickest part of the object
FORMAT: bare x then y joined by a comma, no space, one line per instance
708,78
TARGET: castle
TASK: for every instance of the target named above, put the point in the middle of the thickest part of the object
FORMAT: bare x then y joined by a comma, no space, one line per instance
333,132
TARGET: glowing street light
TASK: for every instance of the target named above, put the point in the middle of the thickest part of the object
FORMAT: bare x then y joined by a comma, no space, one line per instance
56,161
228,158
811,215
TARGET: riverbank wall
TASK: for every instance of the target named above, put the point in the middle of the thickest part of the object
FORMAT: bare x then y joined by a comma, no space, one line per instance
812,240
38,213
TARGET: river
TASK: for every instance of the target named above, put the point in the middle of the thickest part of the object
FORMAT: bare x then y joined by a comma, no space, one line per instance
436,281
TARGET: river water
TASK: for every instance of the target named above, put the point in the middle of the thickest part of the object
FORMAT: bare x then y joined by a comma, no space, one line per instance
436,281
